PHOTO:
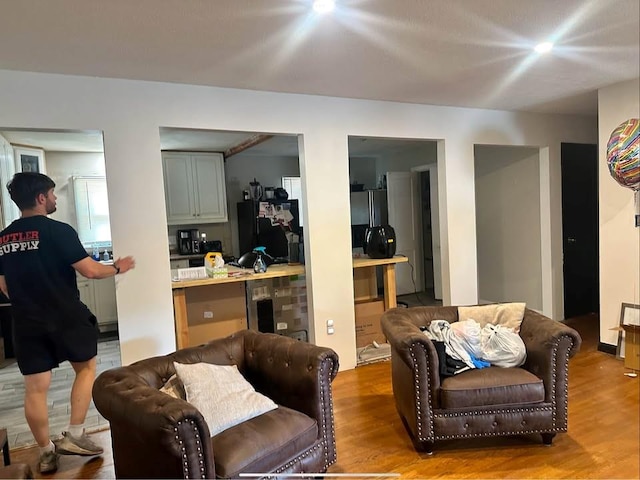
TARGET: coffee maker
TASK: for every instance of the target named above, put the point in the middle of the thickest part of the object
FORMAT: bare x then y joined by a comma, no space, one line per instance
188,241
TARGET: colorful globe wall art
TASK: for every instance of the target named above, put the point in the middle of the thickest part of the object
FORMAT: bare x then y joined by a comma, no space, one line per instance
623,154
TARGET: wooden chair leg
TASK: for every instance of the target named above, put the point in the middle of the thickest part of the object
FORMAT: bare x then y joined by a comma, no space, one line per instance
419,446
547,438
4,445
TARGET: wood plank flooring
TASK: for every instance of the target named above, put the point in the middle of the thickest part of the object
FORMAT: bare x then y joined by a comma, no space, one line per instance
12,397
602,442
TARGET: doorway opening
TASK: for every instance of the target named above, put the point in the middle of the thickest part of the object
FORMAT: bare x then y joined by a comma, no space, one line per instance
241,190
580,235
75,161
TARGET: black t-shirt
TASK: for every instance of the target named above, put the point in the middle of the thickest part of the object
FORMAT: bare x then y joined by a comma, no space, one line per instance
36,254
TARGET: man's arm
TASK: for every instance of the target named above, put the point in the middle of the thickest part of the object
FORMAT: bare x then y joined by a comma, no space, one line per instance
3,286
89,268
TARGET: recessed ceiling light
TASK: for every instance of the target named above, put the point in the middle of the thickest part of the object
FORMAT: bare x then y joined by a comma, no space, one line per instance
323,6
544,47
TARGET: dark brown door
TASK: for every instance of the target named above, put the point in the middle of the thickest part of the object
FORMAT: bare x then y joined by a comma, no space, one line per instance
580,228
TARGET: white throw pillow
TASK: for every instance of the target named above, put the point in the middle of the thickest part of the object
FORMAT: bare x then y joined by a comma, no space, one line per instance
221,394
508,315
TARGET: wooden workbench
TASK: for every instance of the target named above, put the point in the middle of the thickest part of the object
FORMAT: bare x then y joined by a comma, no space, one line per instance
237,275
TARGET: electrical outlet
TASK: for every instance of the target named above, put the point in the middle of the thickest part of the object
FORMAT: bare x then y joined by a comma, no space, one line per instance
282,326
208,314
330,329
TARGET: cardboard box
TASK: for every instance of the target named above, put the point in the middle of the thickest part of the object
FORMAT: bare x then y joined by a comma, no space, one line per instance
368,322
365,285
215,311
632,346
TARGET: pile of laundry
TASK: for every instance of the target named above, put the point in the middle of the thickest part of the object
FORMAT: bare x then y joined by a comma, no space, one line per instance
464,345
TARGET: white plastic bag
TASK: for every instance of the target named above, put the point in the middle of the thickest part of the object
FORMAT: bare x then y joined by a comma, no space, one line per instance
468,332
501,346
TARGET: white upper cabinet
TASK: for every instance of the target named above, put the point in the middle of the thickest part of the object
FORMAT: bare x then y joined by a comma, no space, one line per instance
194,187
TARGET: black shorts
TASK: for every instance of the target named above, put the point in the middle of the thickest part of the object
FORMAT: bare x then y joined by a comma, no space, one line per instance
41,353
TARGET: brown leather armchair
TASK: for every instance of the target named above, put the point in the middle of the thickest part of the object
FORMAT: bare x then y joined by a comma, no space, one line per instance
480,402
157,436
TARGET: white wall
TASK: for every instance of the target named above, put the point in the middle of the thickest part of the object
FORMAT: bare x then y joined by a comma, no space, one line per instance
508,225
363,170
424,154
619,239
63,165
130,114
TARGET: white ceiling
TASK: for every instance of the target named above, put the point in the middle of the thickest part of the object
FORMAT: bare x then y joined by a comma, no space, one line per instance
473,53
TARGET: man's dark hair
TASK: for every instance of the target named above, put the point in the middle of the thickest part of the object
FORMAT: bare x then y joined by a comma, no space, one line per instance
25,187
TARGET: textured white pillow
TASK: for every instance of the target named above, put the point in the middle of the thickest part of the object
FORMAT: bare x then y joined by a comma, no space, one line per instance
221,394
508,315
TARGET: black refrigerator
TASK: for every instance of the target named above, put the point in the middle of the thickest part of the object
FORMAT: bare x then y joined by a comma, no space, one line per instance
264,224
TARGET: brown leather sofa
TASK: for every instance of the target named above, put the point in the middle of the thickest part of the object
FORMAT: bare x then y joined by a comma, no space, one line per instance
480,402
158,436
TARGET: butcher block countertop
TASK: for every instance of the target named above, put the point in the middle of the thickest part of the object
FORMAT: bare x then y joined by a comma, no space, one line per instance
237,274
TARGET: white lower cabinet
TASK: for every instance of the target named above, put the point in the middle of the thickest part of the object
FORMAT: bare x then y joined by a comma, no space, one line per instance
85,287
100,297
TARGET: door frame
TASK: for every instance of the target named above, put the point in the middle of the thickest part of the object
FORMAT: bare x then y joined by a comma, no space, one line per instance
432,168
416,272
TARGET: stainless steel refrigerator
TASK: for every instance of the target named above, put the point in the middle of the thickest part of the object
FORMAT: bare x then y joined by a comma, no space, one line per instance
368,209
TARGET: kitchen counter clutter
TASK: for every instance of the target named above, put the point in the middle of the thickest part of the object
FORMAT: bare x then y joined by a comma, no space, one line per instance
237,274
210,308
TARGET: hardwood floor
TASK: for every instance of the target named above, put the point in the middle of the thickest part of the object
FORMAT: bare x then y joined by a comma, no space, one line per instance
602,441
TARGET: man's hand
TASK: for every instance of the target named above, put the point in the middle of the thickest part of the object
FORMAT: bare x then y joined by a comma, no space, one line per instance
124,264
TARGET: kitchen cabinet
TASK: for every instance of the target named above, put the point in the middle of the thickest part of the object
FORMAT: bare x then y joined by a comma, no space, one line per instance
100,297
85,287
194,187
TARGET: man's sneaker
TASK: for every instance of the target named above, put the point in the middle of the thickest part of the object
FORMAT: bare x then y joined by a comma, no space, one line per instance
48,462
82,445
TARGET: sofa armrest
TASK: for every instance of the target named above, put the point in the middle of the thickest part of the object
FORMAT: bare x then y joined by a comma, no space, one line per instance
549,346
153,434
542,338
403,333
294,374
414,367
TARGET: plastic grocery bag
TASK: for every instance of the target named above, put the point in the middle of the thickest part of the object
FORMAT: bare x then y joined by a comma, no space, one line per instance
501,346
468,332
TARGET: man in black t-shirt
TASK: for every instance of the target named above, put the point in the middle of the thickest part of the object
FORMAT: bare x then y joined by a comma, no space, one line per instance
39,258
